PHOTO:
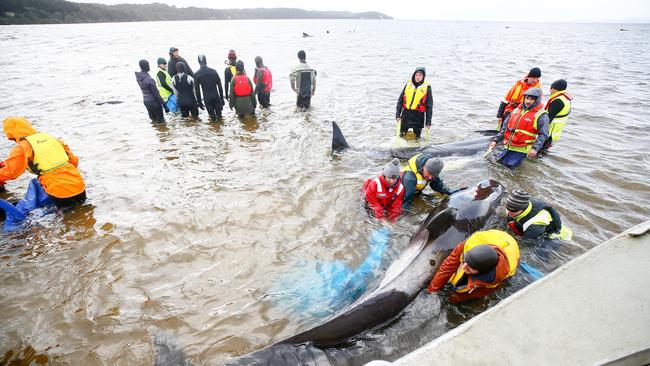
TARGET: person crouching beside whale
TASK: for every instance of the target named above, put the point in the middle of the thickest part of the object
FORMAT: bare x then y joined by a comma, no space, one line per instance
478,266
524,131
47,157
534,219
385,193
421,170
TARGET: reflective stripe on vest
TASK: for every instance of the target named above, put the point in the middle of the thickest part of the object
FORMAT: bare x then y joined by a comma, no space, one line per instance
521,131
380,189
49,154
242,86
164,93
557,124
415,98
498,238
412,167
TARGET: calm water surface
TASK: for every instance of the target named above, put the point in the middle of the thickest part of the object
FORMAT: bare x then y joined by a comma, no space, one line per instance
189,224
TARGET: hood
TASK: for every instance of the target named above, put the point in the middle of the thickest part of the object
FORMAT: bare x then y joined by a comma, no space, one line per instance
535,92
17,128
140,76
424,71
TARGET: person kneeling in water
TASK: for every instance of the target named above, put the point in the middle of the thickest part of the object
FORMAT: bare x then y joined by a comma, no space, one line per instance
384,194
47,157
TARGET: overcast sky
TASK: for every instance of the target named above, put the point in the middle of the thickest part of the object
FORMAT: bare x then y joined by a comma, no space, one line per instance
489,10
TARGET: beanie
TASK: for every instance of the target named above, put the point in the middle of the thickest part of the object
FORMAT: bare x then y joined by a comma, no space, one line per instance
232,54
535,72
434,166
482,258
240,66
559,85
161,61
302,55
392,170
517,200
144,65
180,67
172,49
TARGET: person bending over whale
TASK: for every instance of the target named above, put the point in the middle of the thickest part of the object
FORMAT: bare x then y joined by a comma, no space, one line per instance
534,219
47,157
385,193
421,170
477,266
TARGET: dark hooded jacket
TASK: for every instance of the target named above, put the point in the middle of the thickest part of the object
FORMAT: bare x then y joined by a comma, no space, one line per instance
412,116
171,65
150,93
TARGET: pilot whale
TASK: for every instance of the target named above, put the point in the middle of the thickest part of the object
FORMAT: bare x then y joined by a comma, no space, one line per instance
458,148
457,217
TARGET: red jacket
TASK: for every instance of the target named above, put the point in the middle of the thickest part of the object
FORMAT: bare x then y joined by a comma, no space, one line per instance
450,265
380,197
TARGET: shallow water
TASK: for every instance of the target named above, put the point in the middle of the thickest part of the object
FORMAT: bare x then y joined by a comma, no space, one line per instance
188,224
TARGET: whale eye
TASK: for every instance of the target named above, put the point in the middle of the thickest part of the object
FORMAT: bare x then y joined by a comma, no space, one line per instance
432,262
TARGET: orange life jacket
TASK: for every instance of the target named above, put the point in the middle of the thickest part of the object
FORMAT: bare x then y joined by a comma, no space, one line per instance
242,86
521,130
515,95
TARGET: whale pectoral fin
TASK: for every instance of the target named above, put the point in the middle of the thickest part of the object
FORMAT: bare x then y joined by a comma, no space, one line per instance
338,140
441,222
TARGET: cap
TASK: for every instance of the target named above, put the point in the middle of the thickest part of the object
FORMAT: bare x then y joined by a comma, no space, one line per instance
535,72
559,84
434,166
534,92
482,258
392,170
517,200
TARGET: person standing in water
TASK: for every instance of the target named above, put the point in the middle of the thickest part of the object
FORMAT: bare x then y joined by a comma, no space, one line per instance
263,81
175,58
303,81
558,108
229,72
184,84
415,104
515,95
208,79
242,97
150,94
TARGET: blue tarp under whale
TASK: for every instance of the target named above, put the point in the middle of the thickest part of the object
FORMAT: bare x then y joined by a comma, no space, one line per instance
35,197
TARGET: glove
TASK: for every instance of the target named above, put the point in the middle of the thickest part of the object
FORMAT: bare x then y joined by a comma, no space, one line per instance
200,105
166,108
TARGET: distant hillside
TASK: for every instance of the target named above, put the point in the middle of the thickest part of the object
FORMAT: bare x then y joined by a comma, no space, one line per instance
60,11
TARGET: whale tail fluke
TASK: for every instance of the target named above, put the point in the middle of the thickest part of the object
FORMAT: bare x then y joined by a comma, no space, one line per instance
338,140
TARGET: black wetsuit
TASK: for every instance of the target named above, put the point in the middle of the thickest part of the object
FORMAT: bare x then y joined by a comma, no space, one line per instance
208,79
185,98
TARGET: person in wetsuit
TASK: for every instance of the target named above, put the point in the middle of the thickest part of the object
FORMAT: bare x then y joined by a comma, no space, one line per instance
208,79
184,85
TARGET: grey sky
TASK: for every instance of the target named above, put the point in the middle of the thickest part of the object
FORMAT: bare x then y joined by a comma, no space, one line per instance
492,10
